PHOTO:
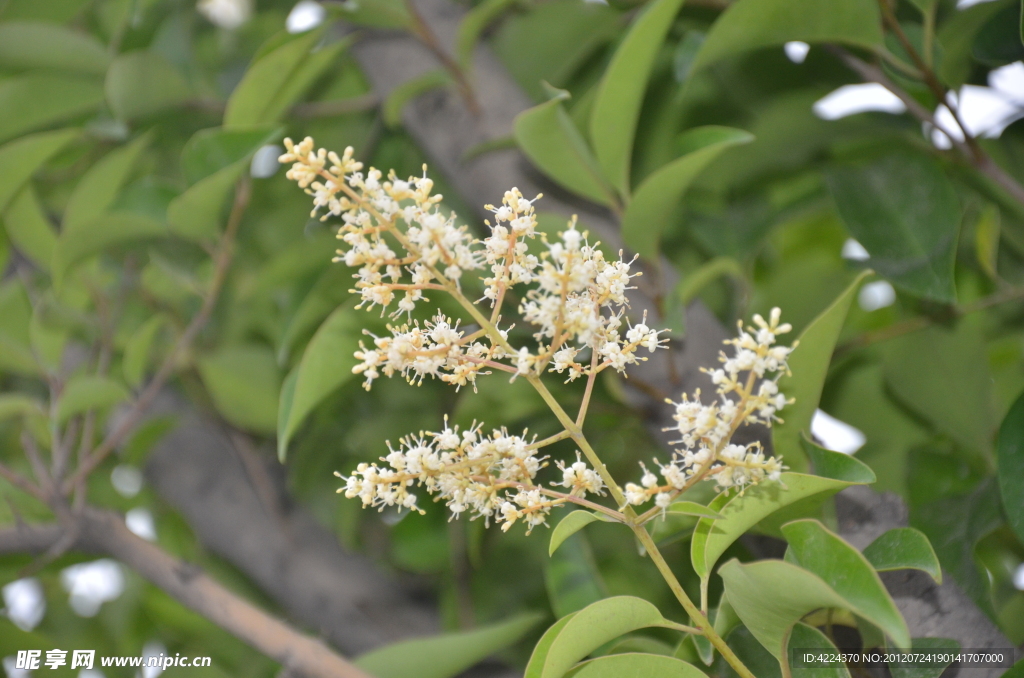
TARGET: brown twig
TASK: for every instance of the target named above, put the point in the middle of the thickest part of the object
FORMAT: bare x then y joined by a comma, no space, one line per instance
104,532
222,263
426,36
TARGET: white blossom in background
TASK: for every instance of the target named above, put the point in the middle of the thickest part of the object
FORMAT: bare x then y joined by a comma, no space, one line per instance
876,295
796,51
985,111
24,603
11,670
127,480
264,162
836,435
140,522
853,99
92,584
90,673
226,14
1018,577
153,648
305,16
854,251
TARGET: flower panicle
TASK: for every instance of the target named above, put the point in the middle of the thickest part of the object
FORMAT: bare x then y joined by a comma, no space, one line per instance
489,476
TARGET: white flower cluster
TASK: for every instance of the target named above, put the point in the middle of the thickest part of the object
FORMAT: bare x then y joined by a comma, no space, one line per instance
438,349
748,391
490,476
576,300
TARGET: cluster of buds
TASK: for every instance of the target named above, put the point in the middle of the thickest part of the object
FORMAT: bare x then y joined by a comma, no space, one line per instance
576,297
489,476
748,392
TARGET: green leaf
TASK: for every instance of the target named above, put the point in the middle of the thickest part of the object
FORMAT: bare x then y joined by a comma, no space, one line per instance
29,229
277,79
30,45
38,100
197,213
1010,460
912,375
245,385
211,150
621,92
548,137
48,339
904,548
751,24
142,83
904,210
809,363
690,508
572,578
741,512
848,573
409,90
135,361
89,392
772,595
1016,671
650,210
901,670
543,647
473,24
956,37
446,655
325,366
15,318
570,525
378,14
587,630
97,190
635,665
18,405
107,230
806,637
986,240
20,159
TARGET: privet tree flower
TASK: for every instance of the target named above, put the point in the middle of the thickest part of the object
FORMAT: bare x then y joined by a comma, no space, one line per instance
403,246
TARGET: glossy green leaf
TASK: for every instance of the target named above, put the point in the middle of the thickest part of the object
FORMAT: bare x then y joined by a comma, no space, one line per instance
18,405
809,363
741,512
750,24
142,83
1016,671
97,190
89,392
107,230
325,366
37,100
551,141
409,90
211,150
904,548
446,655
47,336
772,595
543,647
20,159
907,670
650,210
30,45
690,508
29,229
245,385
616,109
135,361
1010,461
473,24
635,665
278,79
848,573
986,239
804,637
956,37
570,525
572,578
904,210
587,630
197,213
911,374
15,318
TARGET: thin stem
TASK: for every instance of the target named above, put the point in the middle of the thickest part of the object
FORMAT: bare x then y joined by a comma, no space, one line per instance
422,31
20,481
591,378
222,264
682,627
550,440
